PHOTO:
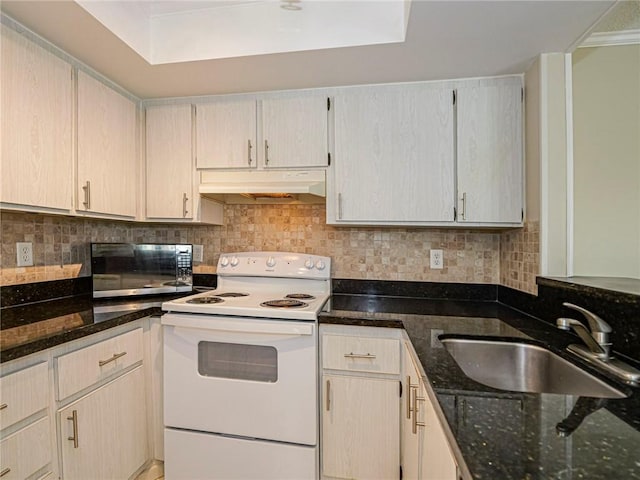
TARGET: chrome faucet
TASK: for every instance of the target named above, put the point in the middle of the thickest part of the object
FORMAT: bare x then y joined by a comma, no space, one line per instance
597,338
597,347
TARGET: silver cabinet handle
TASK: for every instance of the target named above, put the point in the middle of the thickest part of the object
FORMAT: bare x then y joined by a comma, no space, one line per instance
74,423
249,147
184,205
266,152
328,399
4,472
339,206
116,356
463,212
358,355
410,387
416,423
3,406
87,195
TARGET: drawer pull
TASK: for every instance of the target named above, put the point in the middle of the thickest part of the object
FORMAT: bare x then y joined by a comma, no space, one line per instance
358,355
74,422
116,356
3,406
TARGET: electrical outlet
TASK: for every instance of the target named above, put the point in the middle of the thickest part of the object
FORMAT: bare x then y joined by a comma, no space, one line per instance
198,253
437,259
25,254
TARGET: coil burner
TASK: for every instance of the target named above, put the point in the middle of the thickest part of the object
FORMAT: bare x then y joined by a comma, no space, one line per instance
300,296
231,294
204,300
284,303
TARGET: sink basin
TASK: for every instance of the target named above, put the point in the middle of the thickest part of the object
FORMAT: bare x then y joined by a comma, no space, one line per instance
522,367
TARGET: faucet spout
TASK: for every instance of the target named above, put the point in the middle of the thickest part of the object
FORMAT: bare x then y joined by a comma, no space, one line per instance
596,337
602,351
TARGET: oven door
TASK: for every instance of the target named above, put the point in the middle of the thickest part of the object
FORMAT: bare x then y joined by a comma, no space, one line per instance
241,376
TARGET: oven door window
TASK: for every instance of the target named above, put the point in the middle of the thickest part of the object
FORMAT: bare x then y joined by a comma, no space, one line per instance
257,363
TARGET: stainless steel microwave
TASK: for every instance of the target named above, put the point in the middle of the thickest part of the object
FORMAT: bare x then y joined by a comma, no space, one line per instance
121,269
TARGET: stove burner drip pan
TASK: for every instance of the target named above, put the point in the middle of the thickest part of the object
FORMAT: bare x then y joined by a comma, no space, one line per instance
205,300
300,296
284,304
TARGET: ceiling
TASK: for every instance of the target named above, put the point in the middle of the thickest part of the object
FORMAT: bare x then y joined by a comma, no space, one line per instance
444,39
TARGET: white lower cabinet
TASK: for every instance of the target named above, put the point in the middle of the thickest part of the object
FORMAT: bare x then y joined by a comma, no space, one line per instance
25,424
35,439
360,428
360,436
426,454
79,410
104,433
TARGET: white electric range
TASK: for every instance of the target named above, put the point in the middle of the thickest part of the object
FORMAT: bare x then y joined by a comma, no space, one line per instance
240,370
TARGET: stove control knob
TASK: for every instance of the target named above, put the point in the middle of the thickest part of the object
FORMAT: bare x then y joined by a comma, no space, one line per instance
308,264
234,261
320,265
224,261
271,262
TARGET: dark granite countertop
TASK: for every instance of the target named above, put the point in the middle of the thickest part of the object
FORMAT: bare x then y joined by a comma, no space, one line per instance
501,434
33,327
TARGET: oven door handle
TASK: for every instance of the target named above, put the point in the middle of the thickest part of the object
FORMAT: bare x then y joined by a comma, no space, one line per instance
239,326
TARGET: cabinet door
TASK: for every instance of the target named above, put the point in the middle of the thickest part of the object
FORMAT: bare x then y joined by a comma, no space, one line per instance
410,439
394,160
360,431
490,183
295,132
37,100
437,461
107,166
169,162
110,434
226,134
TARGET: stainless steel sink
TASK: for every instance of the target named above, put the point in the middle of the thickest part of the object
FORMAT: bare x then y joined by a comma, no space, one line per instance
521,367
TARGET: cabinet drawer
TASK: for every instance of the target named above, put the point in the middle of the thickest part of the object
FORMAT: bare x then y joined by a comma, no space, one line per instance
361,354
26,451
82,368
23,393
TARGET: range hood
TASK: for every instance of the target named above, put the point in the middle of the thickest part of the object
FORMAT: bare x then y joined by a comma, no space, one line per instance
264,186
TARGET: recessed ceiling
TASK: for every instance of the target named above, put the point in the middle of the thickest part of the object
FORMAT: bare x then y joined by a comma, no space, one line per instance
173,32
444,39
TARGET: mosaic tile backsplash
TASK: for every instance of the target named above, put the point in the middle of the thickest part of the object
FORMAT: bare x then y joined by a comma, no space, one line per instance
60,245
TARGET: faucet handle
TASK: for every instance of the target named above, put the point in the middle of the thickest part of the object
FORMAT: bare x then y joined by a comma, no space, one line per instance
597,324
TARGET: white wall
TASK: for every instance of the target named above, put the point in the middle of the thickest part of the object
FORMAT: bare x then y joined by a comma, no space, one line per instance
606,111
548,154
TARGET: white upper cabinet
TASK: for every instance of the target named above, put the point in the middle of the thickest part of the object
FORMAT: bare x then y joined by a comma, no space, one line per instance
394,156
107,150
169,165
172,180
284,132
295,132
434,153
489,146
226,134
37,148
